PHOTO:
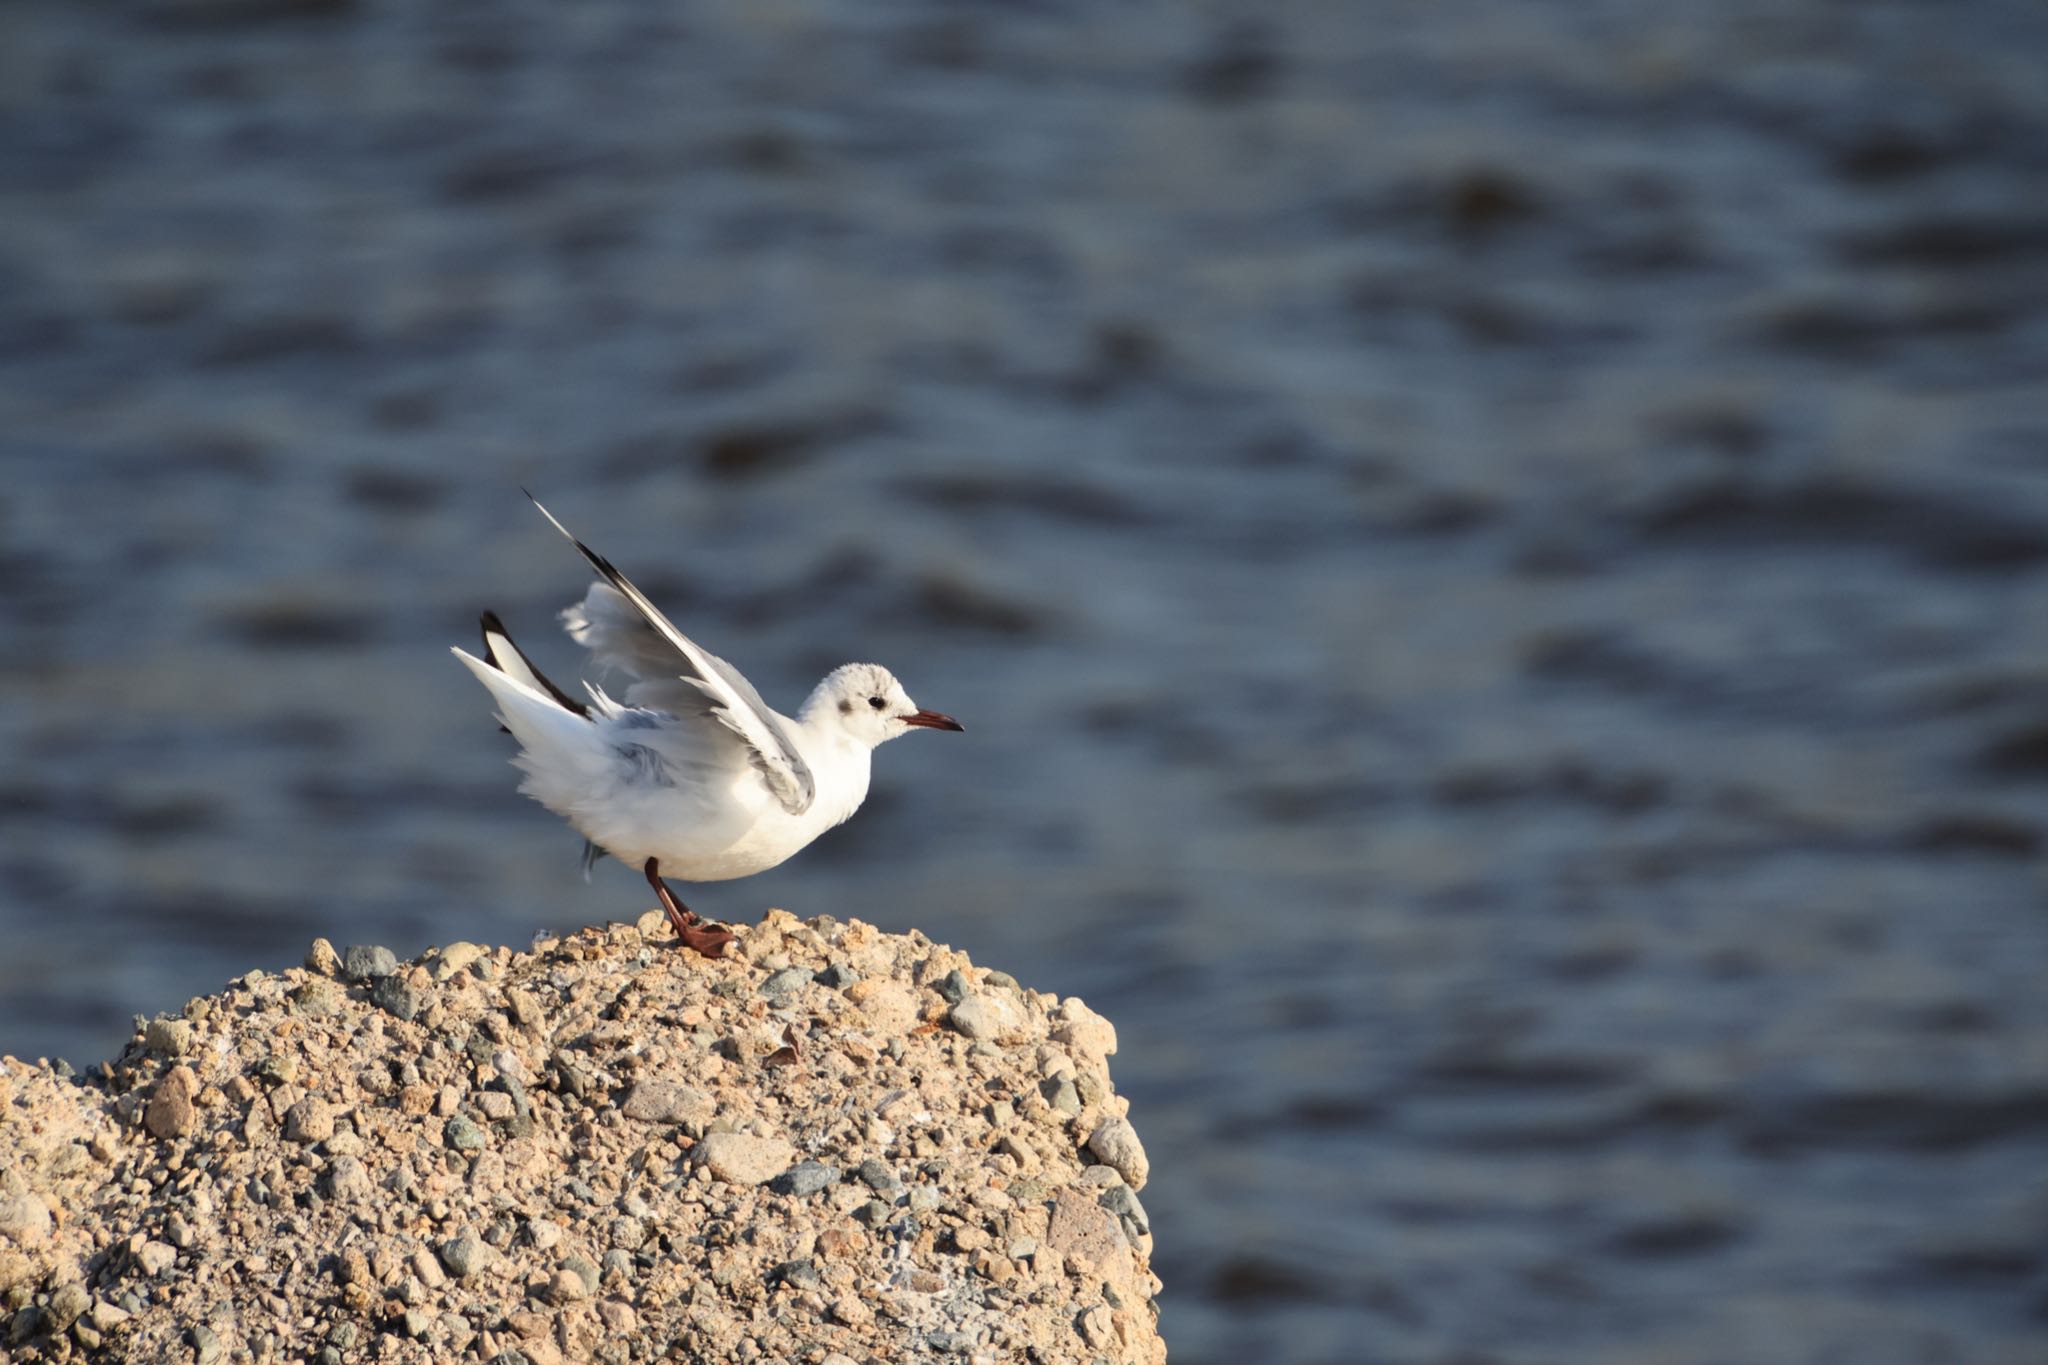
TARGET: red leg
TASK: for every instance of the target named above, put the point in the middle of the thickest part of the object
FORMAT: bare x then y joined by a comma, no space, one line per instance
708,939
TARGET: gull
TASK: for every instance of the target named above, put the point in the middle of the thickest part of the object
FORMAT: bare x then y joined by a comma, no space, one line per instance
691,774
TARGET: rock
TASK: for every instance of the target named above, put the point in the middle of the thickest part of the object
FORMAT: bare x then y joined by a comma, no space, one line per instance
168,1037
205,1344
668,1102
462,1133
24,1219
398,997
1123,1203
837,976
368,961
321,959
68,1305
1059,1092
566,1286
984,1017
877,1176
309,1121
453,959
348,1181
170,1113
1083,1031
805,1178
1115,1143
466,1254
890,1006
785,983
351,1201
954,987
742,1159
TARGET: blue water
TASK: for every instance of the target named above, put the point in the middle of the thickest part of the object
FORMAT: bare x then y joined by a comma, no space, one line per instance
1493,563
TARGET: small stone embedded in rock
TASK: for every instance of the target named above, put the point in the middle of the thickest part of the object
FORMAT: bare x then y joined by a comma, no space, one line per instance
877,1176
954,986
463,1134
1122,1201
742,1159
348,1181
668,1102
168,1037
804,1178
466,1254
155,1258
322,959
836,976
170,1113
24,1218
786,983
367,961
1060,1093
398,997
983,1018
566,1286
309,1121
453,959
205,1345
1115,1143
1083,1031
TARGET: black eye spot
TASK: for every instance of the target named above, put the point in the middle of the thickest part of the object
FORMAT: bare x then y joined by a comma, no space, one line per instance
877,703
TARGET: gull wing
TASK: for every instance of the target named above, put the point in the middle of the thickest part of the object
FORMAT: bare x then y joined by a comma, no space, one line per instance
733,701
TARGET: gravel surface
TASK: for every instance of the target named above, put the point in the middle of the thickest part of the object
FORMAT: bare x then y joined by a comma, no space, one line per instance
600,1149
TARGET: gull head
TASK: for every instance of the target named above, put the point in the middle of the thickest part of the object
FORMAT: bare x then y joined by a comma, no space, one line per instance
865,702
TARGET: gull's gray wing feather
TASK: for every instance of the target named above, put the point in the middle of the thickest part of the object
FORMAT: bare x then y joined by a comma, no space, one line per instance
656,655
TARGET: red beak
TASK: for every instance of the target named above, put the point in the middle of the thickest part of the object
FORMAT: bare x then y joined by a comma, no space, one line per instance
931,720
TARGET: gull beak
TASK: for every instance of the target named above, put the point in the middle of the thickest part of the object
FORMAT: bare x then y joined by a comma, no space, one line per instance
931,720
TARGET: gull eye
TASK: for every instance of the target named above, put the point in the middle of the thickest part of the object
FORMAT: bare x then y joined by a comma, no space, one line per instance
877,703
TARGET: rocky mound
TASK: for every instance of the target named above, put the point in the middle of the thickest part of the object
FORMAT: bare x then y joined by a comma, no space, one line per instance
834,1145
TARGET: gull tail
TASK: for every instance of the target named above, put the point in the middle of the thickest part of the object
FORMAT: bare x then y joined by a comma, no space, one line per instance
562,752
508,659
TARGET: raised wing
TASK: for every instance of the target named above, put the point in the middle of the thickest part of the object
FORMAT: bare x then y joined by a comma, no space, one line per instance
732,700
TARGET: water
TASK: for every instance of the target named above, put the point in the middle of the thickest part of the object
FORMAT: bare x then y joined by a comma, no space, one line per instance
1493,563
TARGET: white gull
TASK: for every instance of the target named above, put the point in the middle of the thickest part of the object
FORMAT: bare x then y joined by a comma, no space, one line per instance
692,774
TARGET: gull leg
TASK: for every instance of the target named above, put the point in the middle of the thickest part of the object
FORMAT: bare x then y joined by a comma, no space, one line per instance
708,939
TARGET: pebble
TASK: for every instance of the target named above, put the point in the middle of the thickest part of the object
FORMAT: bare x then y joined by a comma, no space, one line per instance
453,959
170,1113
1059,1092
462,1133
742,1159
23,1218
786,983
309,1121
205,1344
466,1254
1115,1144
954,987
877,1176
1122,1201
321,958
668,1102
398,997
837,976
155,1258
367,961
348,1181
1084,1031
168,1037
983,1017
805,1178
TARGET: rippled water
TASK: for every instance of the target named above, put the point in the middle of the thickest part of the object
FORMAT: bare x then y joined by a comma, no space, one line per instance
1493,562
